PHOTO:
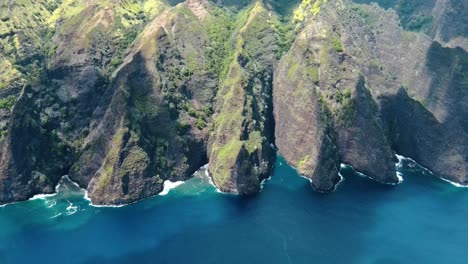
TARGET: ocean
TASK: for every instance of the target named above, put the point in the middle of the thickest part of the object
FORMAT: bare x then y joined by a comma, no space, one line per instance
422,220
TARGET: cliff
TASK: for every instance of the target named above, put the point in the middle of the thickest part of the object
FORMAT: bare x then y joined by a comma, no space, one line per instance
124,95
378,82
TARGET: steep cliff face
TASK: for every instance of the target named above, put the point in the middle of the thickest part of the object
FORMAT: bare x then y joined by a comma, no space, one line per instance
241,153
347,127
444,20
154,127
75,45
304,129
123,95
450,23
365,62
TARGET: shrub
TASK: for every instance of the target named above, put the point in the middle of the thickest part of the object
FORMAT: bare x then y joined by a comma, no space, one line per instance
337,45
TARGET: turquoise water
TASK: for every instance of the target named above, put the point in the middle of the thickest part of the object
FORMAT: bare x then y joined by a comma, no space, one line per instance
423,220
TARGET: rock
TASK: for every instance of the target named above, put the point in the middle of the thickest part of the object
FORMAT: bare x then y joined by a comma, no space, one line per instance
240,156
123,95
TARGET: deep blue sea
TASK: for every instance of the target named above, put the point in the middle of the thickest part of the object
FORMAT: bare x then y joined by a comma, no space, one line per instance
423,220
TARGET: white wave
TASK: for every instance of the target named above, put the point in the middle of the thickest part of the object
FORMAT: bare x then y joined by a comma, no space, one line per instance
362,175
210,180
86,197
169,185
339,182
44,196
71,209
302,176
4,205
41,196
334,187
72,182
56,215
51,204
401,158
454,183
400,177
264,181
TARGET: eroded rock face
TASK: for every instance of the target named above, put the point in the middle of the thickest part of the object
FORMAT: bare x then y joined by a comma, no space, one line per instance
150,131
364,60
304,130
50,121
124,95
443,20
241,155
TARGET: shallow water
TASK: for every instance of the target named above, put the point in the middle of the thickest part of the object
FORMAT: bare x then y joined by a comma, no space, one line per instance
423,220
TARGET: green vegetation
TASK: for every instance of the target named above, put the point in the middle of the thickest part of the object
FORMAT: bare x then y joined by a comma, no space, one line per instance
225,158
337,46
304,163
8,102
314,74
220,27
420,23
8,73
306,7
200,123
369,17
111,160
413,14
284,34
66,10
235,127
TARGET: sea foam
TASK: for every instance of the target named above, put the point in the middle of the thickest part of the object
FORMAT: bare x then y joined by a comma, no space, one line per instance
169,185
402,158
41,196
210,180
71,209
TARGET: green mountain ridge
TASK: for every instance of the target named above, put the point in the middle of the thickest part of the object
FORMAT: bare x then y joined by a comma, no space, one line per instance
122,95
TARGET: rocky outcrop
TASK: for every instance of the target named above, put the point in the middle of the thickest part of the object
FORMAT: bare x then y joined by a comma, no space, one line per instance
50,121
304,130
322,82
361,59
154,128
241,155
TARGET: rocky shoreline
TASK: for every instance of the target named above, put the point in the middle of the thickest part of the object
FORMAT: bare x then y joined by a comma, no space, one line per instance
128,96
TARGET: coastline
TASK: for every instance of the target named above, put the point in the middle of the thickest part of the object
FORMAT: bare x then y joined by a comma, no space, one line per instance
169,185
210,180
455,184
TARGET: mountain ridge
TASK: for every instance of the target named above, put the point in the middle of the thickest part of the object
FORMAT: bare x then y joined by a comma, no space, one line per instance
124,98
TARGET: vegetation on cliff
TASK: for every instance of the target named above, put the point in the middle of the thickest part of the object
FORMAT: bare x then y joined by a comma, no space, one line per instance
123,95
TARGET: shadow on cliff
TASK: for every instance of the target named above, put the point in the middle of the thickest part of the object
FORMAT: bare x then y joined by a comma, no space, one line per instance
46,124
416,133
448,92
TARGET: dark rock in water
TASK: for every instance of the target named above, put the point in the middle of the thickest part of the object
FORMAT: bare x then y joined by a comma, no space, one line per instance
123,96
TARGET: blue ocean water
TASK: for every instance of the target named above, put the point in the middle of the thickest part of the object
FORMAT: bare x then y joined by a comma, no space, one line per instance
423,220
